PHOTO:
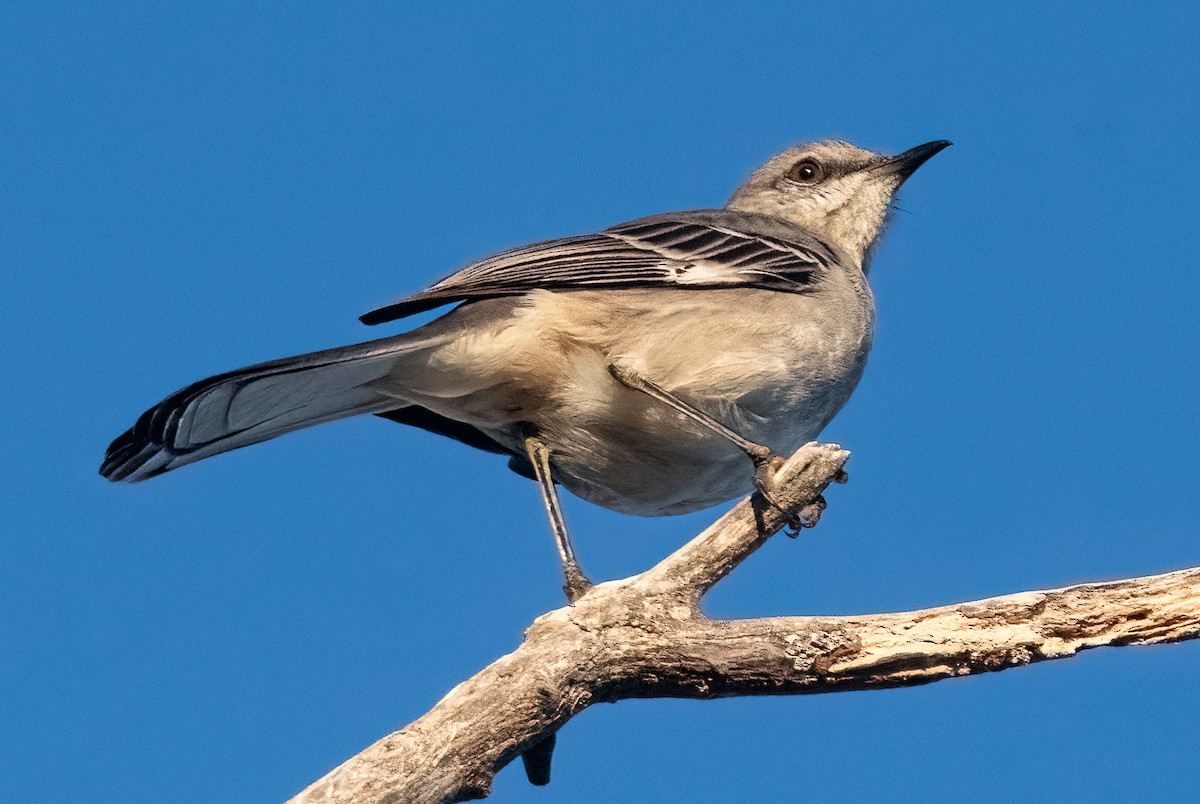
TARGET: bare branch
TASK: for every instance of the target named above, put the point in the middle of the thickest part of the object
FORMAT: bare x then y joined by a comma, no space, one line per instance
730,540
793,655
644,637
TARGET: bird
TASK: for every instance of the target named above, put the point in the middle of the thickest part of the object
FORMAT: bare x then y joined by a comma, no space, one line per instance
638,366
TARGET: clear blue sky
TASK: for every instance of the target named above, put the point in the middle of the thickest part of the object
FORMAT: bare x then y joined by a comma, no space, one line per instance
190,189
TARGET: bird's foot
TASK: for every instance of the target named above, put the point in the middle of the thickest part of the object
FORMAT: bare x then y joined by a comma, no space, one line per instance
766,464
765,467
577,584
808,517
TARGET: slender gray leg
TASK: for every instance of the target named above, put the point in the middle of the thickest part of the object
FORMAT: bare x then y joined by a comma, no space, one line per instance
765,461
576,582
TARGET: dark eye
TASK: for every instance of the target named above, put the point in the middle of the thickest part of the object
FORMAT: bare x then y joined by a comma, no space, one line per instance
806,171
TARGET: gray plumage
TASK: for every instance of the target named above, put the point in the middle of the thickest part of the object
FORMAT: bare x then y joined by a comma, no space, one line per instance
704,248
758,314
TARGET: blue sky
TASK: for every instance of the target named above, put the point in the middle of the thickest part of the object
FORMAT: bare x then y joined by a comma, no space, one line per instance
187,189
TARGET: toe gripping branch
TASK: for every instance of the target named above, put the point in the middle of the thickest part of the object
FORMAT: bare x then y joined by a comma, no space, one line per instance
765,467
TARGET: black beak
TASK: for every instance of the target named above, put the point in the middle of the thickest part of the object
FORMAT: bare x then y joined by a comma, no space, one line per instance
905,164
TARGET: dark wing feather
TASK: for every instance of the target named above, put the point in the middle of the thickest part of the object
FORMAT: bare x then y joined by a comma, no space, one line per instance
417,416
435,423
706,249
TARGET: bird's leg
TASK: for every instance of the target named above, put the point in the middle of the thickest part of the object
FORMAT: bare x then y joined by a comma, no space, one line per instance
766,462
576,582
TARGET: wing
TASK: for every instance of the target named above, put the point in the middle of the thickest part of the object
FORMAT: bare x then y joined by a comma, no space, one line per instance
703,249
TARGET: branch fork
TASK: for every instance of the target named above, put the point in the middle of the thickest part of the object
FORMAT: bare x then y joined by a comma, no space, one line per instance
644,637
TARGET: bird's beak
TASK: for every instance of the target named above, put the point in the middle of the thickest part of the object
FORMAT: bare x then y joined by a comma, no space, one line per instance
905,164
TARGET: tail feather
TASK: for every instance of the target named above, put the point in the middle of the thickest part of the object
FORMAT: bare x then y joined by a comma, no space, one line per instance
254,404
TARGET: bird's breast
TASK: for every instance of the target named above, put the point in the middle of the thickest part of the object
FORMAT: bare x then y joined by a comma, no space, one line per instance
774,367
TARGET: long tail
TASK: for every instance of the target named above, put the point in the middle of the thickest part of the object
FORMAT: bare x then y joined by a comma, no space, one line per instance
254,404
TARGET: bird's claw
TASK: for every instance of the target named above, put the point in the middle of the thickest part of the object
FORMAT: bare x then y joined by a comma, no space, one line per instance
577,585
765,468
810,514
808,517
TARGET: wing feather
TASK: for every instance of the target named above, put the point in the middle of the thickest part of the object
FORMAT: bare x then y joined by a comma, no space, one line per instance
713,249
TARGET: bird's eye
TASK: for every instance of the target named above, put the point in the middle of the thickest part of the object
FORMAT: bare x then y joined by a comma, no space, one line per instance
806,171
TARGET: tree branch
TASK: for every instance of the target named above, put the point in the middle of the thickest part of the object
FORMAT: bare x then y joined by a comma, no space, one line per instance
706,559
644,637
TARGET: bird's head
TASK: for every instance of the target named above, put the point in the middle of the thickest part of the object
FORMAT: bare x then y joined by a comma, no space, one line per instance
840,193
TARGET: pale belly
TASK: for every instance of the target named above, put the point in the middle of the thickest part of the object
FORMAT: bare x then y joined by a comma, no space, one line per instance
774,367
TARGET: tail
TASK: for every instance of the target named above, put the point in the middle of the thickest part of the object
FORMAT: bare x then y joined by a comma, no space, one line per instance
254,404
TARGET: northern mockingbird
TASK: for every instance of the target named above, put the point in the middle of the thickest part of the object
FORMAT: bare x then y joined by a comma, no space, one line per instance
638,366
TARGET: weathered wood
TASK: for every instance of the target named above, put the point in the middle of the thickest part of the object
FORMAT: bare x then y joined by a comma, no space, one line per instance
644,637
